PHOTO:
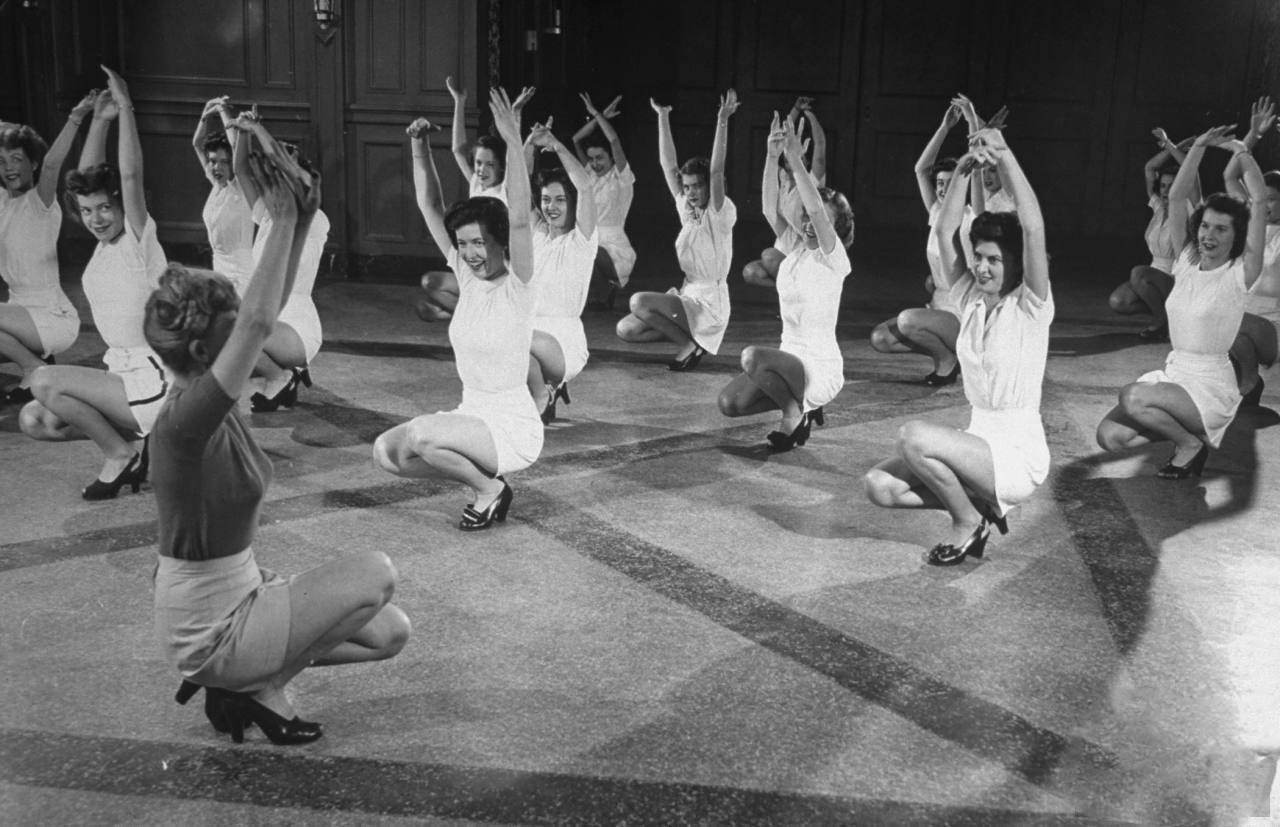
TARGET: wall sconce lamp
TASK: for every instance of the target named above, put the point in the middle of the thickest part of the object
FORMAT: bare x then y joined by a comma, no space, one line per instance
327,18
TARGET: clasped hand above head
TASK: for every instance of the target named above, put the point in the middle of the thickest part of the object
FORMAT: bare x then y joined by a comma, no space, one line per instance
287,191
420,127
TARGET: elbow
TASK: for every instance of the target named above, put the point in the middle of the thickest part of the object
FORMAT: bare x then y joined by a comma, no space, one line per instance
257,323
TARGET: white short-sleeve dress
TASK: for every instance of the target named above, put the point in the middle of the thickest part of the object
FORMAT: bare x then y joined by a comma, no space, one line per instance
1159,234
491,332
705,251
561,277
1264,299
810,283
229,222
475,189
118,280
613,192
1002,353
29,265
299,311
1000,201
1205,309
942,298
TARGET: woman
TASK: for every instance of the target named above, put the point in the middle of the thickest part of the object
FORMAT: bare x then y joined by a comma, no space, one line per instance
115,408
496,429
931,330
1005,311
283,364
787,206
612,187
1149,286
807,370
1193,400
564,250
239,631
228,216
38,320
695,316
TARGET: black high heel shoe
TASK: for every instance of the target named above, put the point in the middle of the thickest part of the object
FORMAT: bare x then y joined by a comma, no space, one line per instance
1253,398
473,520
288,395
549,412
242,710
133,475
689,362
946,554
216,708
1193,468
779,442
817,417
938,380
988,512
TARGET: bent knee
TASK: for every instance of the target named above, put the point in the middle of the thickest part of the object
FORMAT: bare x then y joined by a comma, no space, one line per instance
388,451
749,358
879,486
1109,436
1133,397
33,419
914,435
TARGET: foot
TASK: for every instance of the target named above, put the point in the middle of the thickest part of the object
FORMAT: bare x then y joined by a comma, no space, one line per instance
1183,454
272,385
491,492
113,467
790,422
686,351
275,700
960,532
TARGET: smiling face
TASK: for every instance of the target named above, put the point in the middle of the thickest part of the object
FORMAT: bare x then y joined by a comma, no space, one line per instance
1162,189
991,179
988,267
695,190
1273,205
218,162
807,229
486,167
102,215
1214,238
940,183
16,170
599,159
481,252
554,203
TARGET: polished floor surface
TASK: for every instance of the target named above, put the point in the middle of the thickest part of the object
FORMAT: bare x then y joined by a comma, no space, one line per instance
675,625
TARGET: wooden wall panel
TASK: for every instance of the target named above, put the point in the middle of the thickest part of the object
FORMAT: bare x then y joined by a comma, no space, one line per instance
168,42
279,49
790,52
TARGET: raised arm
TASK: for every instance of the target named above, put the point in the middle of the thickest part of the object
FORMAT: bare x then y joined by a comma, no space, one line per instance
769,190
105,111
1151,170
807,186
245,125
426,183
1035,261
585,215
950,219
216,106
132,192
924,165
602,118
520,242
459,145
1261,115
667,158
720,148
1256,190
818,166
1184,183
56,156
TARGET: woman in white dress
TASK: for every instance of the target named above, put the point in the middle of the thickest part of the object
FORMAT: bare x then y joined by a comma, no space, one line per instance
483,164
807,370
38,320
612,186
283,365
694,316
228,216
116,407
1192,401
564,250
1148,286
1005,311
496,429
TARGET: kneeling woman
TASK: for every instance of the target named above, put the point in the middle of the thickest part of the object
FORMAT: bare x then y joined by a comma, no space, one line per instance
1005,310
489,246
696,315
1193,400
239,631
807,370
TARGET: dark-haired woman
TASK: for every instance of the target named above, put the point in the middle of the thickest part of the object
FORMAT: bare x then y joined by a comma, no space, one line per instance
38,320
1192,401
564,251
241,632
496,429
613,185
694,316
228,216
1005,311
283,365
931,330
807,370
115,408
1148,286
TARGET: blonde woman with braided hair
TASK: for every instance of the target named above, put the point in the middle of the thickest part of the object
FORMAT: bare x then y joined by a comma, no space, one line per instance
241,632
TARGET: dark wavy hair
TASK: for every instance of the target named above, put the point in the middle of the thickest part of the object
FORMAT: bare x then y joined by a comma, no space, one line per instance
103,178
942,165
1228,205
843,223
1272,179
557,175
495,145
215,142
1166,169
23,137
1004,229
181,310
598,141
698,166
489,213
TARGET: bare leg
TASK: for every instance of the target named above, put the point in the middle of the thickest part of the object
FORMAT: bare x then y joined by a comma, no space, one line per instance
19,340
604,279
546,366
1153,413
780,376
887,338
281,352
660,312
951,464
1126,301
1153,287
1262,777
84,403
934,332
443,446
1255,345
441,298
743,397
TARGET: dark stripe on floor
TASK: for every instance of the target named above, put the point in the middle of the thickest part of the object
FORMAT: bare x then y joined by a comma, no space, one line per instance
293,778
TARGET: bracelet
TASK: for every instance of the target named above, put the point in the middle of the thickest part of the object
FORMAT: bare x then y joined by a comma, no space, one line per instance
76,121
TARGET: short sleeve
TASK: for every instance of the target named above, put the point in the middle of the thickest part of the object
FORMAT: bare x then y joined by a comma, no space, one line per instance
626,177
460,269
145,255
1271,252
725,217
960,288
837,261
1154,202
259,212
192,414
1033,306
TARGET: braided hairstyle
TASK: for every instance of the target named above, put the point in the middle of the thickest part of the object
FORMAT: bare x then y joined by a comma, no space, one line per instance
182,309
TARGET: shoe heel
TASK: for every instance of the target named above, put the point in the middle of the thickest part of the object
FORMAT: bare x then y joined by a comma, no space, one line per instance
501,513
817,417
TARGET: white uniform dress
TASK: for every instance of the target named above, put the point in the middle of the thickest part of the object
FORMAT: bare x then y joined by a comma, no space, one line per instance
117,282
299,311
491,331
476,189
229,222
1002,353
791,211
1000,201
809,286
1264,299
1159,235
29,265
613,192
942,296
1205,308
705,251
561,275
